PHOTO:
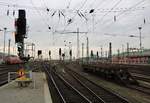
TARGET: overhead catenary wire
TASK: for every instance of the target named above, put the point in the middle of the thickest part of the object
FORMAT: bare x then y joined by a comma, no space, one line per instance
40,14
108,12
101,10
111,10
131,7
128,10
75,13
100,3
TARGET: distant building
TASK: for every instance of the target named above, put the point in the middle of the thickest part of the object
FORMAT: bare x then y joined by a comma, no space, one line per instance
134,57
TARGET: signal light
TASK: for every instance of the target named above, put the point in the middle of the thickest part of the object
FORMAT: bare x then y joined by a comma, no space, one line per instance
22,14
92,53
18,38
21,26
49,53
19,48
59,51
39,52
70,52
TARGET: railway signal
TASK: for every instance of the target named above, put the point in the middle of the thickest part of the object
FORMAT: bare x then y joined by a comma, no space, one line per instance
20,33
50,54
70,53
20,25
92,55
39,52
60,53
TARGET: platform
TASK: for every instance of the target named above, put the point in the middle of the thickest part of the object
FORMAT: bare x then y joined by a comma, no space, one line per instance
12,93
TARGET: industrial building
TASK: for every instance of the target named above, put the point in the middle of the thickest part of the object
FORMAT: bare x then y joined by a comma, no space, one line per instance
134,57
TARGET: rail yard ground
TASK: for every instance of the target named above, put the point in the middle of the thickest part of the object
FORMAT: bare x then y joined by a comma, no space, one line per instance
130,94
66,82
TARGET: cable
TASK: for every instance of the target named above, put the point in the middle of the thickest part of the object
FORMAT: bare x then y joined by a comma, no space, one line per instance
39,14
99,4
76,13
108,12
126,11
131,7
69,10
21,6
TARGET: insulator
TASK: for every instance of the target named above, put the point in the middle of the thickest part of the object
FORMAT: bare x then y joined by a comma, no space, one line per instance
47,9
91,11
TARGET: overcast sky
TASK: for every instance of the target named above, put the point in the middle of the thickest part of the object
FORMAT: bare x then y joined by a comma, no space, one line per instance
112,21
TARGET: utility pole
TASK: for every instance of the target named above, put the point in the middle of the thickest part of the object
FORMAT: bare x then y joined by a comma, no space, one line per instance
78,42
82,51
110,53
128,52
70,51
101,51
87,49
32,48
140,42
97,55
118,55
122,51
4,40
9,47
140,38
106,54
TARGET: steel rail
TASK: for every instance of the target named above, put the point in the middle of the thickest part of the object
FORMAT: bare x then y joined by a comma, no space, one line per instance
78,80
50,77
112,93
68,85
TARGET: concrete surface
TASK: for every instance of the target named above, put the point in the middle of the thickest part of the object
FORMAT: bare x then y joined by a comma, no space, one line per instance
11,93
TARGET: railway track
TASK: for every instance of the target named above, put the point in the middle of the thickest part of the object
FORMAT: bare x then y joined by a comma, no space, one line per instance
92,91
141,77
86,91
65,91
140,69
140,88
4,69
104,95
137,87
